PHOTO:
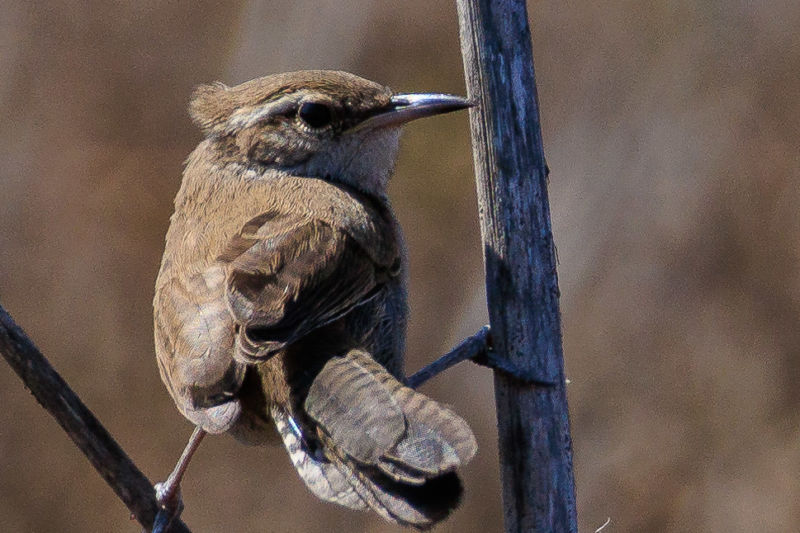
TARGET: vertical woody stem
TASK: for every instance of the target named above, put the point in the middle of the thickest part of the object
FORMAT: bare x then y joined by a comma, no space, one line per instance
521,281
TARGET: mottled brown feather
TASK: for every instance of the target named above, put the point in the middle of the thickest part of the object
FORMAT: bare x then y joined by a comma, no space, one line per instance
282,297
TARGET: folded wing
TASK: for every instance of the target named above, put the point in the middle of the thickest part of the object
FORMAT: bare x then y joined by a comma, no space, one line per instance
288,275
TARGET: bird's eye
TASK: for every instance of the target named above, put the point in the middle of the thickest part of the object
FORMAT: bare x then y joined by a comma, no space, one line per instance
315,115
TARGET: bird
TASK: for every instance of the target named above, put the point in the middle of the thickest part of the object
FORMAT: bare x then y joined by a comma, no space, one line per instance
281,300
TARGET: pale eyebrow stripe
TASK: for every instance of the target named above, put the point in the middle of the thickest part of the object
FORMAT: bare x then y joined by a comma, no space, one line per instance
244,118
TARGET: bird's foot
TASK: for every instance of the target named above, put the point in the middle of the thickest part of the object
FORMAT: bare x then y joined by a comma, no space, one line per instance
170,503
168,496
168,493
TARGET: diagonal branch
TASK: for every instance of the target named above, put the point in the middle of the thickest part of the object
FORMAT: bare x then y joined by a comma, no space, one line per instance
478,349
474,348
53,393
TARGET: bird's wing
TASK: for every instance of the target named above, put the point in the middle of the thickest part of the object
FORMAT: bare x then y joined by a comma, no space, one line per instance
289,274
194,333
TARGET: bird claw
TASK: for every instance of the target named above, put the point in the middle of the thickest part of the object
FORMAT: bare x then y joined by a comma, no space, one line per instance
169,498
170,502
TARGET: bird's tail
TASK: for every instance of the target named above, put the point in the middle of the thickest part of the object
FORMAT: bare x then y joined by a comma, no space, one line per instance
372,442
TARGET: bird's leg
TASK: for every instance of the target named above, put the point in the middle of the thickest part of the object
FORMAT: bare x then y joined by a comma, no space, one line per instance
477,348
168,493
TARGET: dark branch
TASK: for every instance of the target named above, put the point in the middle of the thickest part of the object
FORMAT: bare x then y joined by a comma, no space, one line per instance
478,349
474,347
53,393
519,255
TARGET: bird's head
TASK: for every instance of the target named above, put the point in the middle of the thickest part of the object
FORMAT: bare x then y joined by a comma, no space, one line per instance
324,124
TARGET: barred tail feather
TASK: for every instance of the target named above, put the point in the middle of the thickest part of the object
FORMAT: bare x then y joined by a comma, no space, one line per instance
397,448
322,478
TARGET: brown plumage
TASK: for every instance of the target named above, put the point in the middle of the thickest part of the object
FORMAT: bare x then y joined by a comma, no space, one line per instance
281,298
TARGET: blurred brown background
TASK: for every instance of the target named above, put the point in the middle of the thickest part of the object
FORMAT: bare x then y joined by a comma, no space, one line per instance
671,130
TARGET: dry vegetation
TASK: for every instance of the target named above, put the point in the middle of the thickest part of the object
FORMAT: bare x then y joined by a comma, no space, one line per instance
671,134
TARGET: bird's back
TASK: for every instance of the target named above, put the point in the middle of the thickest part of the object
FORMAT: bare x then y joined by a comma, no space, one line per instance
194,328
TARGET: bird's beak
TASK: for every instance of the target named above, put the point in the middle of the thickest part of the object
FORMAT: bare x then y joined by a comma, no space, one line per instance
404,108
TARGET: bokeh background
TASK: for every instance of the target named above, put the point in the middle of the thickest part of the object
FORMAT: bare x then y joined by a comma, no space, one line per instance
671,130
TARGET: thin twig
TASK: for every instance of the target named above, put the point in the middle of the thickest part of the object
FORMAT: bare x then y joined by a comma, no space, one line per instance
470,348
53,393
478,349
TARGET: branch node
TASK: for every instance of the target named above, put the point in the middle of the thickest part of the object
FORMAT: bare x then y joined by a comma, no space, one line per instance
490,359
